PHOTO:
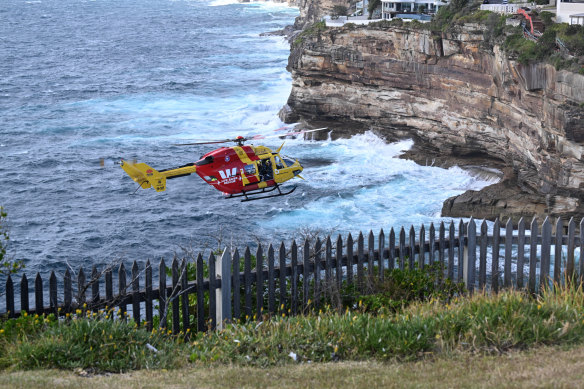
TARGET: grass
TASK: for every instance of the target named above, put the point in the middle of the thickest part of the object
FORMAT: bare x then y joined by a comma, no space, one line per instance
84,341
561,367
481,324
444,327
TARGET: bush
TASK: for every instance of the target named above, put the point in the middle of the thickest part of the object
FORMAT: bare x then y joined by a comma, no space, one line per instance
339,10
92,341
372,6
400,288
7,265
486,324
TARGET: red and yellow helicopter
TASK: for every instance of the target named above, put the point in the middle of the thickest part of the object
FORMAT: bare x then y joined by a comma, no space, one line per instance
237,171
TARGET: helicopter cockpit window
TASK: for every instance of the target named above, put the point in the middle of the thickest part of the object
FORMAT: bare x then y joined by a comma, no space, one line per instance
249,169
279,164
288,161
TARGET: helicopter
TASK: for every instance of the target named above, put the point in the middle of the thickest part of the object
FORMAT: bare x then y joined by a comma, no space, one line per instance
246,171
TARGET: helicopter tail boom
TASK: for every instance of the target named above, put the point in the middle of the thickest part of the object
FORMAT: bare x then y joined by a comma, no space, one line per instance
149,177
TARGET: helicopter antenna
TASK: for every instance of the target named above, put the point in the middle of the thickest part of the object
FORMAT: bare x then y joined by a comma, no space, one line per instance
139,186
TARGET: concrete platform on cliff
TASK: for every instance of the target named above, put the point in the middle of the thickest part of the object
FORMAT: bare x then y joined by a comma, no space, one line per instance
342,20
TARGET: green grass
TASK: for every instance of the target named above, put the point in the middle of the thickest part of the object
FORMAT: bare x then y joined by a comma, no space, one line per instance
92,341
483,324
440,326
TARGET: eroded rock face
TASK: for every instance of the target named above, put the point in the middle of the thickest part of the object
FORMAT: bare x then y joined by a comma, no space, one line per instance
456,97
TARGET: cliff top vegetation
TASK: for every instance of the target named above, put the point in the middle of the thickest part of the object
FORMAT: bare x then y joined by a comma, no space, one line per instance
561,44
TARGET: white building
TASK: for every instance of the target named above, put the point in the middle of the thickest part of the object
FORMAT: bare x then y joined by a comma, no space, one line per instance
571,12
410,9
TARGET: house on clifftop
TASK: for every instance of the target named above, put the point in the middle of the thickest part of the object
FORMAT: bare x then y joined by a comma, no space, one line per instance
570,11
412,9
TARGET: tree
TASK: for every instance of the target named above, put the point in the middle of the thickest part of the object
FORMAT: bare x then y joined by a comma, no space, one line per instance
7,265
339,10
373,4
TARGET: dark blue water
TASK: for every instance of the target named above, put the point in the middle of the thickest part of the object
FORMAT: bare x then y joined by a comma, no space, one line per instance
84,80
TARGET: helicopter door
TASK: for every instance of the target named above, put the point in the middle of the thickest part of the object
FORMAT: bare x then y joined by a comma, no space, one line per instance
265,169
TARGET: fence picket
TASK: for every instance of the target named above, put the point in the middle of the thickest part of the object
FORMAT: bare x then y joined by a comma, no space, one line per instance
558,251
339,262
282,257
483,256
136,293
470,267
271,281
495,257
148,296
350,259
380,250
10,297
247,283
360,260
53,302
532,255
305,272
109,286
328,263
441,247
38,294
259,282
571,245
402,248
213,291
94,286
294,286
174,297
24,302
317,269
461,246
67,292
451,245
546,240
412,247
162,300
236,282
121,290
370,254
508,253
520,252
184,297
422,256
391,258
81,287
200,294
431,242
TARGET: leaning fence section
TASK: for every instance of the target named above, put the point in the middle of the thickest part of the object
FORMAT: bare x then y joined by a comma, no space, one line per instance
203,294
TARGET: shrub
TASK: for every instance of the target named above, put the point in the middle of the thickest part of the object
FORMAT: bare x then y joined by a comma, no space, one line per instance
400,288
88,341
339,10
482,323
7,265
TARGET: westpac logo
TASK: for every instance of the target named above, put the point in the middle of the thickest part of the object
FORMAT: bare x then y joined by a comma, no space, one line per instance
228,173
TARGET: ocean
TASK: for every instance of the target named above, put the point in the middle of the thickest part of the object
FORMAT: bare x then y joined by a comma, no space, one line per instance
82,81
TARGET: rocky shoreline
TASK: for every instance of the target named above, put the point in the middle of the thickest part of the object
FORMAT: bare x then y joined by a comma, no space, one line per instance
462,104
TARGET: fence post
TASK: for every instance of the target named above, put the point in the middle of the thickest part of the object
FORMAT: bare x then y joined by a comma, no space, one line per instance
470,255
223,294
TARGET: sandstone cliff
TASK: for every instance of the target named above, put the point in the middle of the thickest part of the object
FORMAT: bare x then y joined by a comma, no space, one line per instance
455,97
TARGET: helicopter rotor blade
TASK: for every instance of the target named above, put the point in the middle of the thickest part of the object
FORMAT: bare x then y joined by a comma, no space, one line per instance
291,133
253,137
204,143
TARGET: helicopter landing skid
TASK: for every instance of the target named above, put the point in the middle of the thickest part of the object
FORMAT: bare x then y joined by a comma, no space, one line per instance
253,195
